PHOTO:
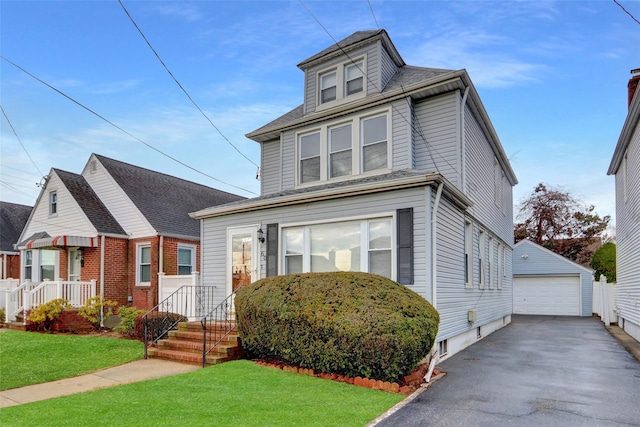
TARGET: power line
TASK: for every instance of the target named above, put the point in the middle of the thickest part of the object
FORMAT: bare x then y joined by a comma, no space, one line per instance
181,87
20,141
121,129
373,14
626,11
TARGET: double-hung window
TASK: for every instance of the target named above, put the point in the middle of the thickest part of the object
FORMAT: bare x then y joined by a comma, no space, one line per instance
354,79
28,265
47,264
340,151
185,260
328,82
374,143
359,245
53,203
309,157
144,265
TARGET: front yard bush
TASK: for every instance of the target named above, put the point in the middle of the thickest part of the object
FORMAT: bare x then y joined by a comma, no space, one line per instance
353,324
44,316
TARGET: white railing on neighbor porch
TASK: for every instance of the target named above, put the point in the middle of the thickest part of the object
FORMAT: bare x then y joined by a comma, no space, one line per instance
30,295
604,300
7,285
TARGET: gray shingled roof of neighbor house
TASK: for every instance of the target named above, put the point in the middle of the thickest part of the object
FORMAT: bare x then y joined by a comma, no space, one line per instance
165,200
13,218
90,203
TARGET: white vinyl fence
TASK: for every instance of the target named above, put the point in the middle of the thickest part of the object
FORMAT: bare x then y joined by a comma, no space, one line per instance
604,301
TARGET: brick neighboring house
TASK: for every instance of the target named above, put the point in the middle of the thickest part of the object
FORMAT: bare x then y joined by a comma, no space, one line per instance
117,224
13,218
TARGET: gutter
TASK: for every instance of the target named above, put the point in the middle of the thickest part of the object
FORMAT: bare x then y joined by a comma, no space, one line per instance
463,155
434,231
102,279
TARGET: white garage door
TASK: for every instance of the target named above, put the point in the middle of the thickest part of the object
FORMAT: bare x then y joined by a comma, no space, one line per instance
550,295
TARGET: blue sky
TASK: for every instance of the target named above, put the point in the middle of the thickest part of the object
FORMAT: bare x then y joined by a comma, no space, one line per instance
551,75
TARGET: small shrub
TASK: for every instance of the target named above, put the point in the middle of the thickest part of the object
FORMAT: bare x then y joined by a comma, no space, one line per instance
353,324
127,320
44,316
92,308
2,316
156,323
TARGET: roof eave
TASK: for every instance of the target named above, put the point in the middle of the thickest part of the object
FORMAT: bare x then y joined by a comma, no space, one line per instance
630,123
330,193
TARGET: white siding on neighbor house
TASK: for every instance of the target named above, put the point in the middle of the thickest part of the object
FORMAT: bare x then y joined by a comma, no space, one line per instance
628,232
371,80
214,257
530,259
479,182
69,219
436,136
271,170
117,202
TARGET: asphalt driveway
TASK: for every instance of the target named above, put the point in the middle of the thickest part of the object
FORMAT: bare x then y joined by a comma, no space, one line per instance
537,371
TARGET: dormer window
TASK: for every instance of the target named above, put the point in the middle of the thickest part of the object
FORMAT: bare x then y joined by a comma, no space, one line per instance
328,87
354,79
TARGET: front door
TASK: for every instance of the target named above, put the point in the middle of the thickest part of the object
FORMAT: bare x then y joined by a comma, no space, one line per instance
243,253
75,259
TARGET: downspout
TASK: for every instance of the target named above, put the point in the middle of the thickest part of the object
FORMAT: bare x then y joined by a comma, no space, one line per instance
102,238
462,141
434,223
161,255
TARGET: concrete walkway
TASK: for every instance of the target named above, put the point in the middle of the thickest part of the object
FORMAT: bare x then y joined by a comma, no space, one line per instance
140,370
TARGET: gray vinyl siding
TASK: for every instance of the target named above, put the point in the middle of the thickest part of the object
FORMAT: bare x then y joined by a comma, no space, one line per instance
387,66
454,300
288,160
628,232
401,136
214,257
436,136
270,173
479,182
540,261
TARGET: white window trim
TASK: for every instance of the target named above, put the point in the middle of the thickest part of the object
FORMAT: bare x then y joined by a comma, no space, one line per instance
306,259
356,149
139,247
341,83
193,249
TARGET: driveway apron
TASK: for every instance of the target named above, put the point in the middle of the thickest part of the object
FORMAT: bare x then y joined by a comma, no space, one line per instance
537,371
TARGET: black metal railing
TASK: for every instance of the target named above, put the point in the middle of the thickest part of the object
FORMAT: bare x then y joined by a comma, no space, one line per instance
187,303
217,325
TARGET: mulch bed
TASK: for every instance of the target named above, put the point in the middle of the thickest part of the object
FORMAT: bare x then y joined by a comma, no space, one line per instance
409,384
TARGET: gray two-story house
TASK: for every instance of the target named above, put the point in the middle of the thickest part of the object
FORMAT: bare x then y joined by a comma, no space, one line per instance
385,168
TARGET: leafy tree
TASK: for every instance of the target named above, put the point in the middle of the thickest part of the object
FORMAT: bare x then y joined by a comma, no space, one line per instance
604,262
557,221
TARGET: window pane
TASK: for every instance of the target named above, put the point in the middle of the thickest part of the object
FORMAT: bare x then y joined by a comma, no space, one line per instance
328,80
293,243
374,130
340,138
293,264
380,263
184,256
47,272
354,71
380,234
145,255
375,156
310,170
310,145
340,164
354,86
335,247
328,87
145,273
328,94
184,270
28,258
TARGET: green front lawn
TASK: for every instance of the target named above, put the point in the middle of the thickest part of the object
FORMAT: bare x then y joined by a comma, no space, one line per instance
237,393
31,358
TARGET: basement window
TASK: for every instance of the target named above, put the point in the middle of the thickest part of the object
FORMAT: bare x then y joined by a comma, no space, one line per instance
442,348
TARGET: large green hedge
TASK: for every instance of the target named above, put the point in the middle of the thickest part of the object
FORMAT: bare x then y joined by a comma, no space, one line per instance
353,324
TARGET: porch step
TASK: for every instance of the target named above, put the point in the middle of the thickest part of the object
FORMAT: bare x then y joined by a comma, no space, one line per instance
185,345
16,326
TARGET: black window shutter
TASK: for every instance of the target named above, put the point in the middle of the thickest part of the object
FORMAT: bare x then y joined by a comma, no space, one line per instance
405,245
272,250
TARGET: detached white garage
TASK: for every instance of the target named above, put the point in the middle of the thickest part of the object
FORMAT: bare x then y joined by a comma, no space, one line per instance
546,283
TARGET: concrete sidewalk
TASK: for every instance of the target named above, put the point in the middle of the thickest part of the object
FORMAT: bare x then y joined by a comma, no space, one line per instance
140,370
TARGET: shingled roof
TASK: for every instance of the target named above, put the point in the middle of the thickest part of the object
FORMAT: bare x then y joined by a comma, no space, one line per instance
165,200
89,202
13,218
